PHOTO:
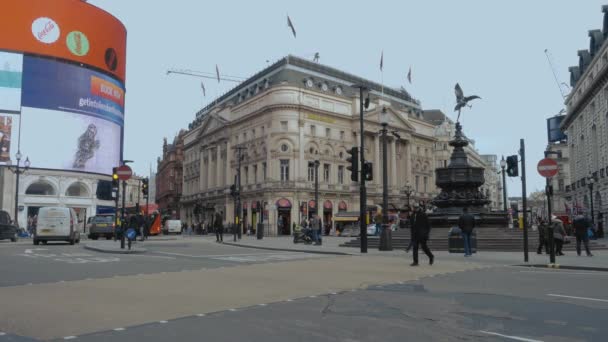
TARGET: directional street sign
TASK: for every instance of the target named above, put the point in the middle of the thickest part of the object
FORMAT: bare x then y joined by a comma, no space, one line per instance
124,172
547,167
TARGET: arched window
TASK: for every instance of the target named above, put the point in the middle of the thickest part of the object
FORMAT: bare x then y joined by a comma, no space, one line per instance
77,190
41,188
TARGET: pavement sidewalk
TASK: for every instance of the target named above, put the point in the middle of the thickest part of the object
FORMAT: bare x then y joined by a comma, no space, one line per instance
331,245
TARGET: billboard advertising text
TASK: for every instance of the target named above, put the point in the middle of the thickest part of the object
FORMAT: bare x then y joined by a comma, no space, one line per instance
66,29
11,67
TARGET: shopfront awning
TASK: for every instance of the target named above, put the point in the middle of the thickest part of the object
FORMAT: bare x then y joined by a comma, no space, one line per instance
346,219
346,216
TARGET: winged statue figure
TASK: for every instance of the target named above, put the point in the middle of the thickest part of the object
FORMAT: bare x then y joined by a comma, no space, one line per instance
462,100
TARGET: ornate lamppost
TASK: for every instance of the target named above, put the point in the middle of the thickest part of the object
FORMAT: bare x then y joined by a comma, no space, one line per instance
385,235
503,165
17,170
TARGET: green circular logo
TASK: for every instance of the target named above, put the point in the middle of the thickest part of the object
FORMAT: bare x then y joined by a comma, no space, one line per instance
78,43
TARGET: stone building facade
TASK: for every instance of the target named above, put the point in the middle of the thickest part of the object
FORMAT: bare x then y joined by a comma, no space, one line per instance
168,180
586,125
284,118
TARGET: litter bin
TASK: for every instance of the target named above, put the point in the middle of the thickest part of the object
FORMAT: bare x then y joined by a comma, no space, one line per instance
260,231
456,243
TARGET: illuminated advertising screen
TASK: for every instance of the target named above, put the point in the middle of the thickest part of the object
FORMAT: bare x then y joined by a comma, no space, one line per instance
66,29
71,117
11,69
554,133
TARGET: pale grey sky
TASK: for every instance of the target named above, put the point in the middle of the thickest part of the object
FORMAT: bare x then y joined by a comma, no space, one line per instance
495,49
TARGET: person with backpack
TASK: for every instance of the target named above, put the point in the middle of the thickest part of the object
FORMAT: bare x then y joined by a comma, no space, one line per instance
581,226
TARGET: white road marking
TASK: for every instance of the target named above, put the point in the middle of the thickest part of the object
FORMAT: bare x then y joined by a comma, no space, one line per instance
270,257
582,298
563,272
233,310
312,296
147,256
69,337
262,304
516,338
200,315
163,322
2,334
214,255
290,300
334,293
31,251
119,329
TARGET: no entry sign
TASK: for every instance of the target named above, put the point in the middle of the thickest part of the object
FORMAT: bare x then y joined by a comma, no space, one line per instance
547,167
124,172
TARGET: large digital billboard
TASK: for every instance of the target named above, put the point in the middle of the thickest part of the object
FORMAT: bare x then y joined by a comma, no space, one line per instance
66,29
554,133
62,94
71,117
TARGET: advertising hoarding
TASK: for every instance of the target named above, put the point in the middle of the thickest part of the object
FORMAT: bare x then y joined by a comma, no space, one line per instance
11,68
66,29
71,117
554,133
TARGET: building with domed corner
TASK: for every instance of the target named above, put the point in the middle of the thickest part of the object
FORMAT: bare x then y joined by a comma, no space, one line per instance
281,121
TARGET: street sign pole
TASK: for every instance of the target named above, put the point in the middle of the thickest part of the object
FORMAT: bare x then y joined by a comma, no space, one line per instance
524,196
122,215
548,168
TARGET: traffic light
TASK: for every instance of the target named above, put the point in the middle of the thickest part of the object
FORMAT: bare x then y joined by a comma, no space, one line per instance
233,190
368,171
115,182
144,187
354,163
512,167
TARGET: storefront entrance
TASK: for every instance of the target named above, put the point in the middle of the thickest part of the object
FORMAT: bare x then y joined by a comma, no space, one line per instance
283,217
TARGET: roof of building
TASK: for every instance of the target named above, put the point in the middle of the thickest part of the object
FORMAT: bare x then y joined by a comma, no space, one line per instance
434,116
296,70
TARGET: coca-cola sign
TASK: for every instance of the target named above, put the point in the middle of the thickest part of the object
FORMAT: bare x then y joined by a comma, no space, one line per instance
45,30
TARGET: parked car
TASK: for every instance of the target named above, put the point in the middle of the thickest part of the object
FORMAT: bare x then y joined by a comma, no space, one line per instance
57,224
172,226
8,231
102,226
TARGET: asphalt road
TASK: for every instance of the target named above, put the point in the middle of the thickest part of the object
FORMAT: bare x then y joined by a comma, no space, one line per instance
492,304
500,304
23,263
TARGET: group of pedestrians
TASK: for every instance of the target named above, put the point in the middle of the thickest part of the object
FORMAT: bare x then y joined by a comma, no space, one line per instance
558,235
314,227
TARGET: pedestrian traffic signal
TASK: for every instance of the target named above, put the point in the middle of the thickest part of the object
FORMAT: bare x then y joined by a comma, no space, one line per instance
368,171
354,163
512,167
115,182
144,187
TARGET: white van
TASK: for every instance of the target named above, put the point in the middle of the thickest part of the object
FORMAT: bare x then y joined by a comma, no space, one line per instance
57,224
173,226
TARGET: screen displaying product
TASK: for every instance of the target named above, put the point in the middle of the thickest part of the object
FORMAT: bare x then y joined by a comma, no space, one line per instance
71,117
11,68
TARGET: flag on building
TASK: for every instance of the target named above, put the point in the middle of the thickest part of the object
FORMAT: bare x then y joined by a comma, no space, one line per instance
203,88
409,75
290,25
382,60
217,72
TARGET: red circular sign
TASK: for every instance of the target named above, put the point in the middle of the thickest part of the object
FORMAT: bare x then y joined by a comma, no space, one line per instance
124,172
547,167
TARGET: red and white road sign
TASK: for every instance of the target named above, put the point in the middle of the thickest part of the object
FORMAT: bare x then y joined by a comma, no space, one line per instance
547,167
124,172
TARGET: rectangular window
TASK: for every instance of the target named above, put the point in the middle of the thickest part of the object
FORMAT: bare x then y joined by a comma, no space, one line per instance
284,169
326,172
313,130
560,184
253,133
328,132
342,135
264,171
171,172
245,175
255,174
426,181
311,172
340,174
262,130
417,183
445,163
171,186
284,126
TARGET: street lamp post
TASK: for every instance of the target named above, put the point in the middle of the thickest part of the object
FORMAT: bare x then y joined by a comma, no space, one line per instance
385,236
591,180
408,192
503,164
17,171
362,190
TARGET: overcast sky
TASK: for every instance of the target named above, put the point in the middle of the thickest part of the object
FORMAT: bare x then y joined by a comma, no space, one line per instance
495,49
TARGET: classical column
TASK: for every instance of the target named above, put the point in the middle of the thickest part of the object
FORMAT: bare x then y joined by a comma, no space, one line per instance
203,172
393,164
377,166
302,169
209,169
408,160
218,164
228,168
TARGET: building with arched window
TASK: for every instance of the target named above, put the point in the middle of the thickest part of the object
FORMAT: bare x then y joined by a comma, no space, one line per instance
282,120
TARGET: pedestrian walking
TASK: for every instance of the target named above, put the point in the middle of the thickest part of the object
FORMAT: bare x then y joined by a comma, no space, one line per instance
219,227
581,225
559,234
410,220
466,223
542,229
421,229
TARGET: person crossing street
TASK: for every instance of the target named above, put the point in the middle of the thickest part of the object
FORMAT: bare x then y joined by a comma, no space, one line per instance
420,234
